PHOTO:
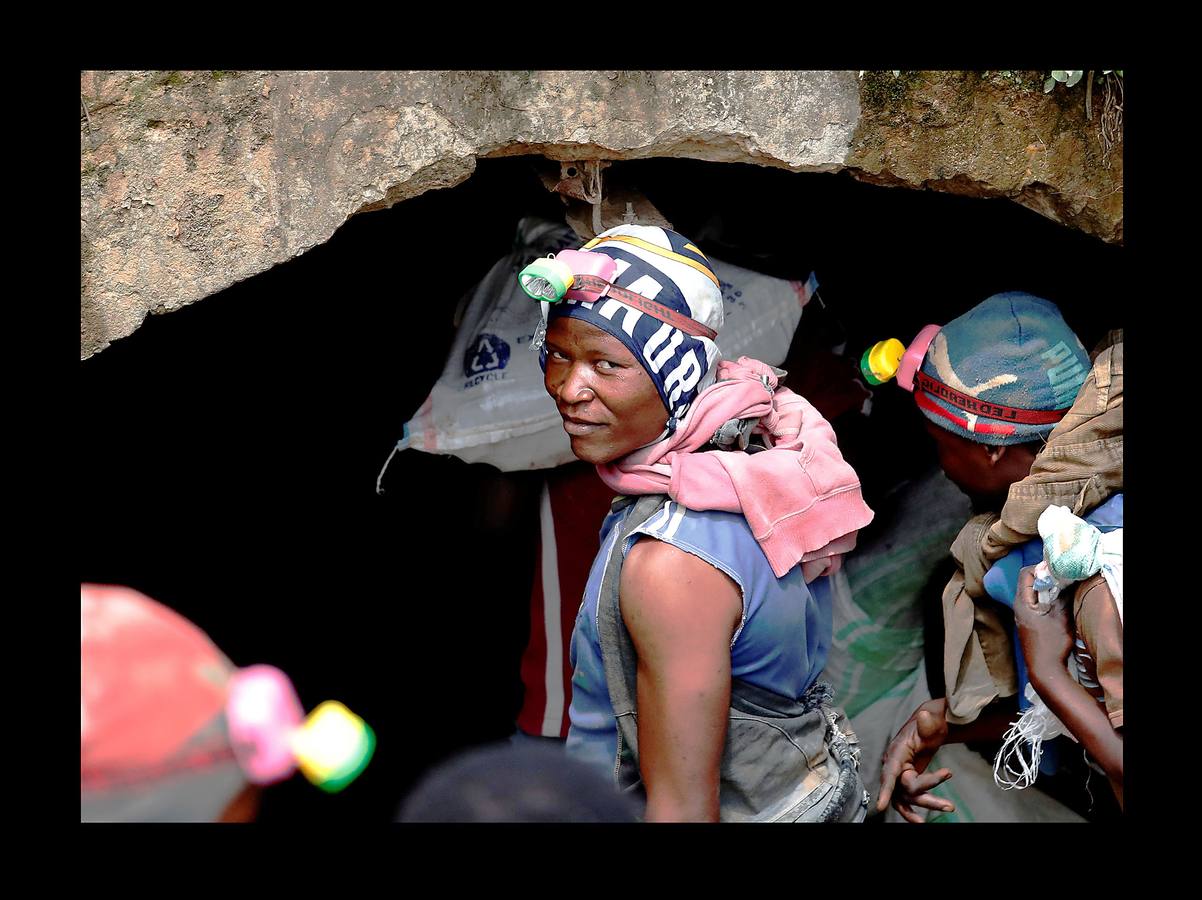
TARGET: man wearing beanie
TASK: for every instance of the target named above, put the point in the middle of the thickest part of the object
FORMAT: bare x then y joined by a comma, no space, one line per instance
707,614
1022,419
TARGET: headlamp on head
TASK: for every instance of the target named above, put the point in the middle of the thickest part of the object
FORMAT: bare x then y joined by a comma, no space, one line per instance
272,737
885,359
586,277
550,278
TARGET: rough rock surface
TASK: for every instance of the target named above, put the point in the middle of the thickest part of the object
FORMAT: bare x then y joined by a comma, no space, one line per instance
991,135
191,181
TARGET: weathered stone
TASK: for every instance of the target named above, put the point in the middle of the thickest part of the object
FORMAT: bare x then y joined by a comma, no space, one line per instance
191,181
968,133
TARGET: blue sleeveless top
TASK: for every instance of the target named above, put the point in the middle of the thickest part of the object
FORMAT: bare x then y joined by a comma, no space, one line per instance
780,645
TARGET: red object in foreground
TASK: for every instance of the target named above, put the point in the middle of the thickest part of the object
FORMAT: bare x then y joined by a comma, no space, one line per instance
151,684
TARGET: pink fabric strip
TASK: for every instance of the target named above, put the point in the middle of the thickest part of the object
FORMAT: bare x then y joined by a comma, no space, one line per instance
800,497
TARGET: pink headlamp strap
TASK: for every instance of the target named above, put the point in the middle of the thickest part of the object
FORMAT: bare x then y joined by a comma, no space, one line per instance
582,262
911,360
262,714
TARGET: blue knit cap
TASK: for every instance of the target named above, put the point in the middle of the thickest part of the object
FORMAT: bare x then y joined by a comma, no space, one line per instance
666,267
1012,351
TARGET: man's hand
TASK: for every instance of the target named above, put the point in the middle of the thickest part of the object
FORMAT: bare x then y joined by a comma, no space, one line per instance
1047,639
906,759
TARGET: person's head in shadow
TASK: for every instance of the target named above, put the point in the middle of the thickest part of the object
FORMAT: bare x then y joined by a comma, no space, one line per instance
154,741
515,783
170,730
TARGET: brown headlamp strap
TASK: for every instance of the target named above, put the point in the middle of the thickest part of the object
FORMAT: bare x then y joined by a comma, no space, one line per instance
638,301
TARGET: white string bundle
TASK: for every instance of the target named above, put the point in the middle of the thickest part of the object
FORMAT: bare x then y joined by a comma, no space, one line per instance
1013,770
1073,550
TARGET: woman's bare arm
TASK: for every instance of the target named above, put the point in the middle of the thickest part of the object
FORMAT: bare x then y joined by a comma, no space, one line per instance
681,613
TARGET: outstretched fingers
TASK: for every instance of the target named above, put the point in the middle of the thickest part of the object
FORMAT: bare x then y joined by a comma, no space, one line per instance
890,769
914,783
908,814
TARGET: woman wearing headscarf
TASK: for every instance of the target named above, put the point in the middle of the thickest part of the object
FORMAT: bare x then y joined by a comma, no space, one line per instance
707,614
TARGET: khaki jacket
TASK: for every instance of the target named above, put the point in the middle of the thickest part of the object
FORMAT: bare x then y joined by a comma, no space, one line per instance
1080,467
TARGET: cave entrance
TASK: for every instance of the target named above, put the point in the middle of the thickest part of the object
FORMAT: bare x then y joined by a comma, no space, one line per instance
232,446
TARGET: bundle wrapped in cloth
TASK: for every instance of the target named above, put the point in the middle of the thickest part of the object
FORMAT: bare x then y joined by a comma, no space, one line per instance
1073,550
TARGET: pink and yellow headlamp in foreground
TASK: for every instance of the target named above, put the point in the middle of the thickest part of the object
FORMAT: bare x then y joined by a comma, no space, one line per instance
272,738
